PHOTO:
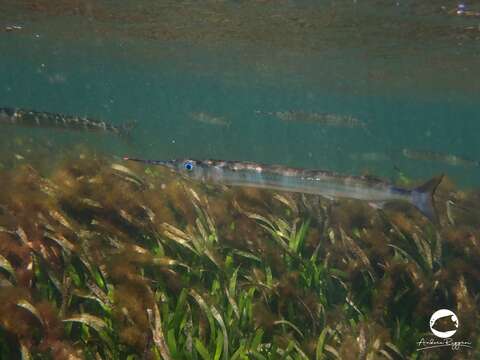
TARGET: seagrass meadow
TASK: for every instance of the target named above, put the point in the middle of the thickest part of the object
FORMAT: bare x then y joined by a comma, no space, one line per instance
102,259
107,259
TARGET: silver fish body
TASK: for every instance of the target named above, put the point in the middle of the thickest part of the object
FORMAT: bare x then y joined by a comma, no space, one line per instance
38,119
318,182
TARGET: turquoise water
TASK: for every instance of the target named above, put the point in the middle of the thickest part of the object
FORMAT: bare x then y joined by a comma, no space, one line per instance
409,76
111,259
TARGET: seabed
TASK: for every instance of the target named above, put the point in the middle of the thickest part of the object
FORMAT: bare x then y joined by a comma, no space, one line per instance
104,259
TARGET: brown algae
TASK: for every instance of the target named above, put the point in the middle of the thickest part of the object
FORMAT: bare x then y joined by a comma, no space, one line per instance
101,259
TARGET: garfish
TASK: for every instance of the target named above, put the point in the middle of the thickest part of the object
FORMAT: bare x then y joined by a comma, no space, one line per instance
449,159
326,119
209,119
328,184
40,119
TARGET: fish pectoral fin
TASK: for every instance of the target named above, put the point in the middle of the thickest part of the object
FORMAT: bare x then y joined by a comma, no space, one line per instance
377,205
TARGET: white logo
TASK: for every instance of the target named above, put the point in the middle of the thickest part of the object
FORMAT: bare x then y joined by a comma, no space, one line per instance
444,324
444,316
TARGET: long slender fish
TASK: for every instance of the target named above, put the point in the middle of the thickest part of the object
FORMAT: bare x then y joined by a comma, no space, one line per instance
28,118
326,119
324,183
449,159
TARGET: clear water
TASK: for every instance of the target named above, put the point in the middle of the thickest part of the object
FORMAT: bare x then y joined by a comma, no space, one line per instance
408,69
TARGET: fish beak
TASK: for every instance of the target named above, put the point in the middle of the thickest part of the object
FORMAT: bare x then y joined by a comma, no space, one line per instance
170,164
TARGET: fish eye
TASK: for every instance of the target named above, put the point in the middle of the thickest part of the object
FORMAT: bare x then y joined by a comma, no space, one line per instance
188,165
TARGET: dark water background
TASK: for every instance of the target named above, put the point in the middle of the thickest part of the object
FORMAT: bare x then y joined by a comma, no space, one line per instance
408,70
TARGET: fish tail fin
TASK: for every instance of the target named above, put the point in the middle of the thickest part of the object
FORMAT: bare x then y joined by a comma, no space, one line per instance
422,198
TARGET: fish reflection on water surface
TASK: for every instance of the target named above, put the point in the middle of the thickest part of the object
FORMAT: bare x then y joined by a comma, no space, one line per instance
40,119
325,119
369,157
209,119
317,182
449,159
